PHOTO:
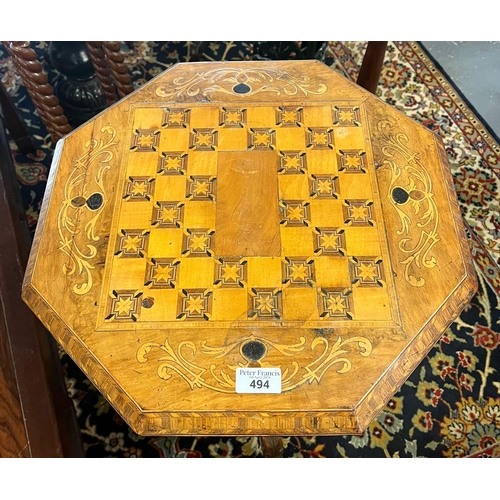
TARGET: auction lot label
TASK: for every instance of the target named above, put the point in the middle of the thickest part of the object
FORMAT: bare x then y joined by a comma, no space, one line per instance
258,380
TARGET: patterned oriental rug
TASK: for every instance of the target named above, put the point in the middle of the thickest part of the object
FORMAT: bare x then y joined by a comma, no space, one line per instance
450,406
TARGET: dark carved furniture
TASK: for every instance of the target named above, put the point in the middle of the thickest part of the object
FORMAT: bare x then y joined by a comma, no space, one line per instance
37,417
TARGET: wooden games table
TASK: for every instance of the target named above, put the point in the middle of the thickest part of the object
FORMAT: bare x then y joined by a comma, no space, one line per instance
267,215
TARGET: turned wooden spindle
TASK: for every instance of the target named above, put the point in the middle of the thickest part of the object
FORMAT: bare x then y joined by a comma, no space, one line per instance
98,59
272,446
118,68
40,91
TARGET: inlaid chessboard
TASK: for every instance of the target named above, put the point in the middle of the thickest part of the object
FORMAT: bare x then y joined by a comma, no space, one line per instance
231,215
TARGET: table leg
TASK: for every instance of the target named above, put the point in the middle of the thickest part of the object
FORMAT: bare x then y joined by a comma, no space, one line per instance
272,446
371,67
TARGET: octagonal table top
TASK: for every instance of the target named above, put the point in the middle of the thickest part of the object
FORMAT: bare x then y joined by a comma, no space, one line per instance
266,215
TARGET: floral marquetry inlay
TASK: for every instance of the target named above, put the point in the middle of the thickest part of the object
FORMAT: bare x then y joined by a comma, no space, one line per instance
322,355
239,81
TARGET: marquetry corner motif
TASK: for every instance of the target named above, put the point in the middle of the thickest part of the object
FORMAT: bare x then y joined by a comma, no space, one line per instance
145,140
324,186
335,303
168,214
230,273
240,81
125,305
329,241
232,117
203,139
132,243
199,242
139,189
84,198
287,116
175,118
195,304
352,161
358,212
213,371
86,360
162,273
201,188
292,162
411,193
265,304
295,213
366,271
319,138
298,272
261,139
172,163
346,116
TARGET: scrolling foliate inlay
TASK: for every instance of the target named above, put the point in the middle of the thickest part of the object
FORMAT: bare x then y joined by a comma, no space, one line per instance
252,351
411,194
84,200
237,81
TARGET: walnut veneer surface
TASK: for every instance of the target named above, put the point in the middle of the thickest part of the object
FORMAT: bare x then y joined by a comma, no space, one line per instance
262,214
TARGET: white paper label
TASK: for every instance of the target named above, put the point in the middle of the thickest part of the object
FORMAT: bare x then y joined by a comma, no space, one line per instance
258,380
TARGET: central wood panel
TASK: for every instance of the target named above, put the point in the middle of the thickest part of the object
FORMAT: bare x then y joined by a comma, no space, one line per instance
247,222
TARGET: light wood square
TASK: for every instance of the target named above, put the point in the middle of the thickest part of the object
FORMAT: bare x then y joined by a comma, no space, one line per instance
348,138
196,272
202,163
164,306
290,138
293,187
229,304
371,304
264,272
318,116
135,214
322,162
127,274
142,164
362,241
233,139
332,272
165,243
204,117
199,214
296,241
147,118
170,188
261,117
174,139
300,304
355,186
326,213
